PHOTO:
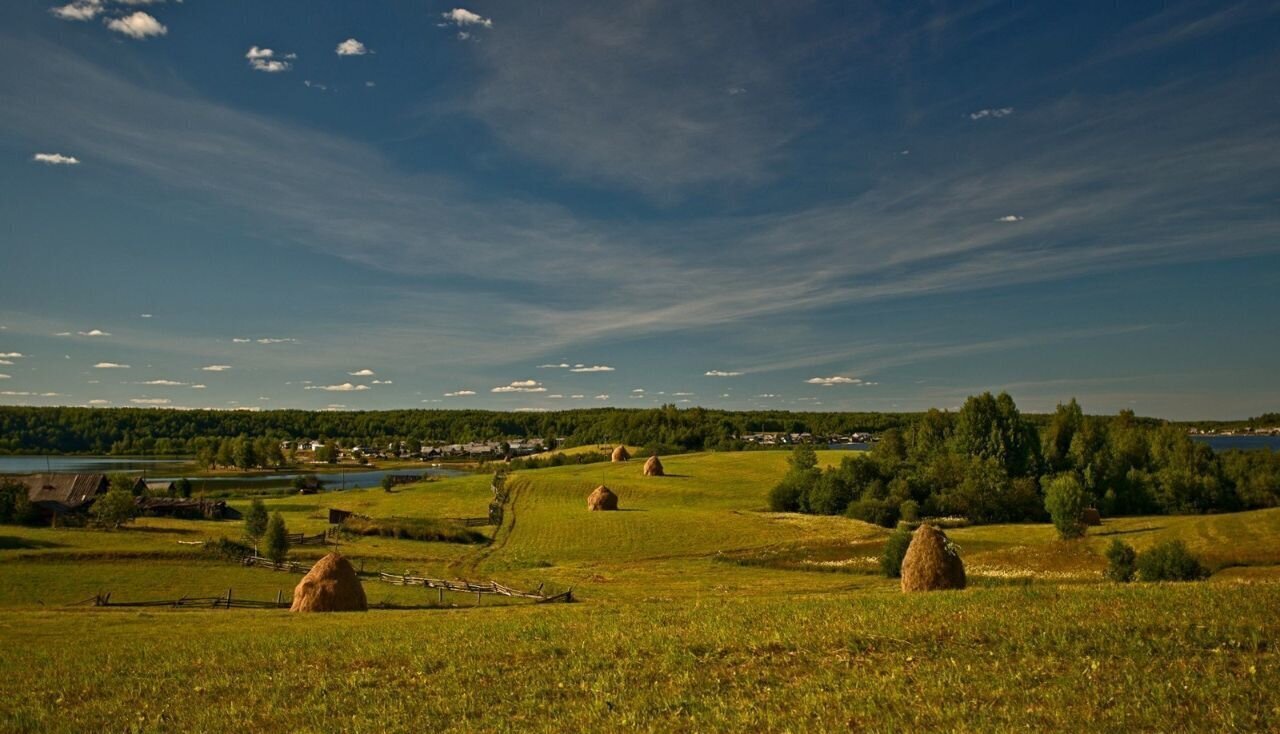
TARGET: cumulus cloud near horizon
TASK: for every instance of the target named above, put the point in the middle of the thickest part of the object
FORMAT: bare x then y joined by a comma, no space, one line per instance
459,393
55,159
366,372
520,386
834,380
111,366
215,368
343,387
462,17
592,368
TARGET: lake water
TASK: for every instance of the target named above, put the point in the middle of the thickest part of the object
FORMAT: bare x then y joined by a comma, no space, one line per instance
1245,443
167,468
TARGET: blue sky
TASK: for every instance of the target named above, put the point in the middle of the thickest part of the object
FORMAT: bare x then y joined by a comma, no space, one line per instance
514,205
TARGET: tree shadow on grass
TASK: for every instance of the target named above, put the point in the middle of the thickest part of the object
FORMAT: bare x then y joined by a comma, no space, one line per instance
8,542
161,531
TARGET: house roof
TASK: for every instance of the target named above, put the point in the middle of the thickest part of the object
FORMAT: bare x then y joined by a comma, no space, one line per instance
68,490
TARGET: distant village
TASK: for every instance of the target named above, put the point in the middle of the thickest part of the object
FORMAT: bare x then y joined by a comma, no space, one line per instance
1246,431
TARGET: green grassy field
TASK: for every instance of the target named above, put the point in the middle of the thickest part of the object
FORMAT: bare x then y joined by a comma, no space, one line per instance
698,611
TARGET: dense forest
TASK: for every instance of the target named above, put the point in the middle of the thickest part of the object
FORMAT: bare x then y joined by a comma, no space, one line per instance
138,431
989,463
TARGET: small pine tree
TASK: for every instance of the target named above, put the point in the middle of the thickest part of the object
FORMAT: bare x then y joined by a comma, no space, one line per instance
387,483
277,540
894,551
1121,562
1064,499
255,521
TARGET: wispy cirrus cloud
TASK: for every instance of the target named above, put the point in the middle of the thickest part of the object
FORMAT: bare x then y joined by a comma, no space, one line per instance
993,112
460,393
592,368
110,366
215,368
721,373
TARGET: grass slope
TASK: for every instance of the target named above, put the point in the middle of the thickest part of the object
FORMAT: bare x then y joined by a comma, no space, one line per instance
701,612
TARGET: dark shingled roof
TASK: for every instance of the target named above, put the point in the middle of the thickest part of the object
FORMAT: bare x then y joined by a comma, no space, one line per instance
69,491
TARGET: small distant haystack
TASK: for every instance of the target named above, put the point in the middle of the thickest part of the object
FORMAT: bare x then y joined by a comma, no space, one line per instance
653,467
1091,517
602,498
330,586
931,562
621,454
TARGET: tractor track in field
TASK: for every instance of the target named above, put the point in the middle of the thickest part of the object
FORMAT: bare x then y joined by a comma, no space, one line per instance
470,564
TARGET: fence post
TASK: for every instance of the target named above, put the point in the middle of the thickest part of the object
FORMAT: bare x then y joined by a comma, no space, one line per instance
441,590
279,596
228,598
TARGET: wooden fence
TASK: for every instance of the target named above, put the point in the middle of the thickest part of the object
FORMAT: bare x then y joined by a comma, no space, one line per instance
205,602
303,539
469,587
287,566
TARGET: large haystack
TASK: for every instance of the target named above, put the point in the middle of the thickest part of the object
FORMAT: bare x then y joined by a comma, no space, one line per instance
621,454
602,498
653,467
1091,517
932,562
330,586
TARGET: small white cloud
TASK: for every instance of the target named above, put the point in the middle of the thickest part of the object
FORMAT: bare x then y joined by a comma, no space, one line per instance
1010,218
576,397
78,10
562,365
94,332
835,380
144,315
7,362
165,383
555,397
462,17
735,91
530,410
602,397
239,340
216,368
55,159
592,368
99,402
63,333
150,401
370,84
683,394
521,386
110,366
314,85
344,387
996,112
197,387
137,25
382,382
638,389
366,372
459,393
351,47
766,395
721,373
5,377
11,355
265,59
28,394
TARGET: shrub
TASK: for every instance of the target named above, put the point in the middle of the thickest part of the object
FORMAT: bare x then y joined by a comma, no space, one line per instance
1170,561
15,507
894,550
880,512
1121,562
223,548
909,511
115,508
1064,499
787,496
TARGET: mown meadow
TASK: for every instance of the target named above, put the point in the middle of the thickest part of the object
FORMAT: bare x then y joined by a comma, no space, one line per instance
698,611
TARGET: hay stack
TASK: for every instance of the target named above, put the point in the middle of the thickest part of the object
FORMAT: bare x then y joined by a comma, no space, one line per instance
1090,516
602,498
330,586
621,454
931,562
653,467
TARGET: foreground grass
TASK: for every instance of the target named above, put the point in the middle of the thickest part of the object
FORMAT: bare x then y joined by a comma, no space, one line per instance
1152,658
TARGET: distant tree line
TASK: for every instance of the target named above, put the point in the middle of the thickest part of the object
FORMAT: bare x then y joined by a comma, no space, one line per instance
135,431
989,463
